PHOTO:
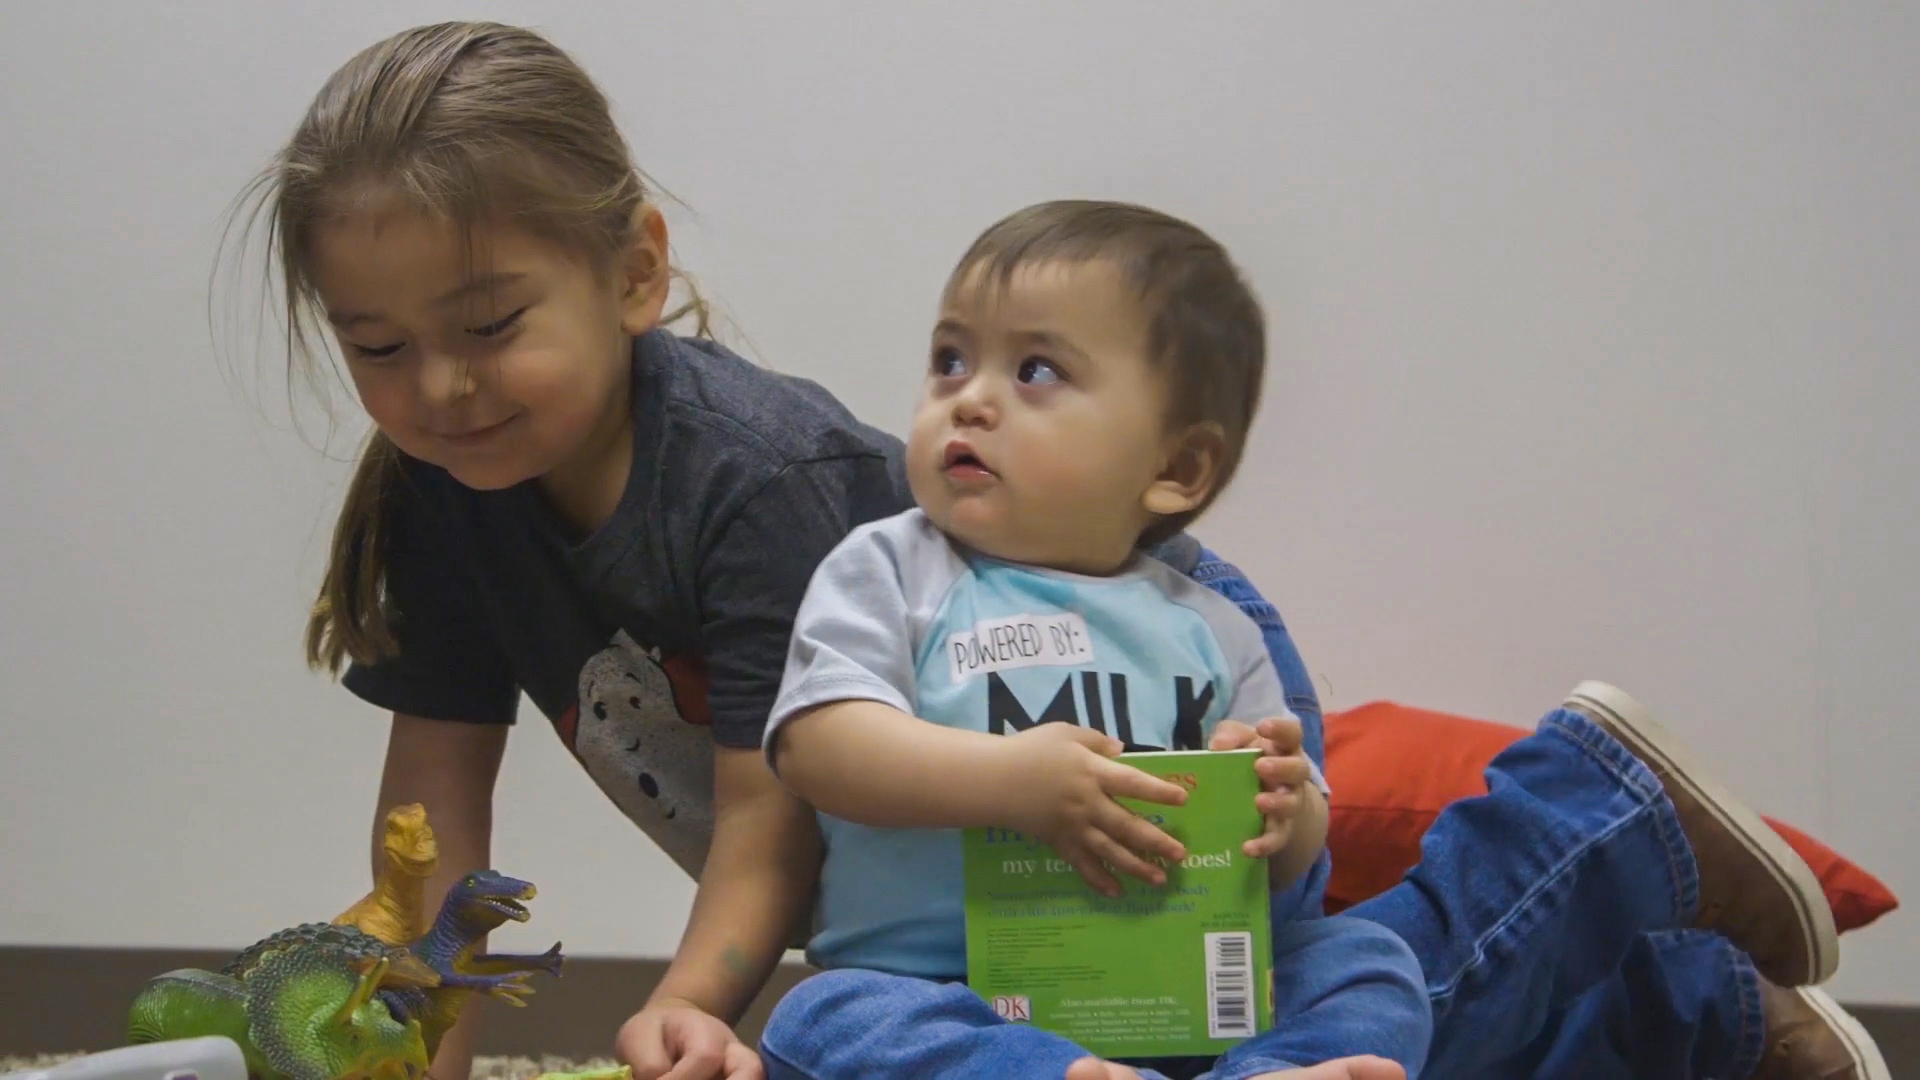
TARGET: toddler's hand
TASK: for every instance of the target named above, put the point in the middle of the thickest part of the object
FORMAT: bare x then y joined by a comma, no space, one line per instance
1283,770
1061,781
677,1040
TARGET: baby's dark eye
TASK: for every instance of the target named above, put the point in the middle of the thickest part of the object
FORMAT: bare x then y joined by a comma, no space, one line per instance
947,362
1037,372
498,326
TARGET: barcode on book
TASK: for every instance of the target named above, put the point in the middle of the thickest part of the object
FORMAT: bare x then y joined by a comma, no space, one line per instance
1229,986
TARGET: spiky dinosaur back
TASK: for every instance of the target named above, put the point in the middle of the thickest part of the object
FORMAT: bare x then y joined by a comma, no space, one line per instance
355,947
349,942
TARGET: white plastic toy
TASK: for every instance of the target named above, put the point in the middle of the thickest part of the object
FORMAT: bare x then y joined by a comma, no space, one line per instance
212,1058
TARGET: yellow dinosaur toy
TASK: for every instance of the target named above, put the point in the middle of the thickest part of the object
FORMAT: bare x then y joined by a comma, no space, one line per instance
394,911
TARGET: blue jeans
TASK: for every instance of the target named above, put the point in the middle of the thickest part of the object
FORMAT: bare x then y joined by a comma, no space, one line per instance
1664,1015
1341,986
1545,913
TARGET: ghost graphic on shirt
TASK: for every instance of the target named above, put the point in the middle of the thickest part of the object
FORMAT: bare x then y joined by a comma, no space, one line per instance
641,735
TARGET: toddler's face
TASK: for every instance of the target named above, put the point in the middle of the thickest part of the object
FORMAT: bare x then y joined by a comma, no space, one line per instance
1041,428
496,361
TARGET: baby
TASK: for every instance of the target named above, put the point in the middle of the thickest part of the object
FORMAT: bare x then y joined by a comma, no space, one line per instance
1092,379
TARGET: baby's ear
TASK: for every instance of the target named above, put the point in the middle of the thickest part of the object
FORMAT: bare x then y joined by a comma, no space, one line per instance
1189,471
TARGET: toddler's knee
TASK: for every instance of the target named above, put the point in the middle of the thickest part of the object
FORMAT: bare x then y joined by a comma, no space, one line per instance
1387,953
1397,988
815,1001
816,1014
1376,938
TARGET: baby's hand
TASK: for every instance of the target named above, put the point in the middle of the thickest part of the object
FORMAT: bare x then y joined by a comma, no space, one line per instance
1060,781
1283,770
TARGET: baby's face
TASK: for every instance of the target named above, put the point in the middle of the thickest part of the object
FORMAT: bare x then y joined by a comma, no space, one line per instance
1042,425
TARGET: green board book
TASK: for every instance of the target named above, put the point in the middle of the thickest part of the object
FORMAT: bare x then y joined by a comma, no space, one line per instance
1183,969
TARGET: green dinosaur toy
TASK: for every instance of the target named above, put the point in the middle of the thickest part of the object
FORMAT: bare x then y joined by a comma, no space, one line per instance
284,1001
306,1011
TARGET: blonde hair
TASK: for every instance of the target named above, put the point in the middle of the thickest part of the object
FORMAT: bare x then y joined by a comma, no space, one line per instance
1205,328
471,121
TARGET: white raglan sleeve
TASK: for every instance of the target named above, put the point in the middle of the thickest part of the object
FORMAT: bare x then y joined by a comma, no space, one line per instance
853,635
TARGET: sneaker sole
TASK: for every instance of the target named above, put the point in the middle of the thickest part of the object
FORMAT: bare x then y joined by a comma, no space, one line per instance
1860,1045
1630,722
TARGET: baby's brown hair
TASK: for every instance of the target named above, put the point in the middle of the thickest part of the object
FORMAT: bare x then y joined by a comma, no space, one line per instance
475,122
1206,332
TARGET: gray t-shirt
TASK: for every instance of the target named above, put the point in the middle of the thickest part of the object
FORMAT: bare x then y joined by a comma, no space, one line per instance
666,630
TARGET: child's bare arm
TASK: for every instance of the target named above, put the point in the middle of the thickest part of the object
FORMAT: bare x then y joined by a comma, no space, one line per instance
758,883
868,762
450,768
761,869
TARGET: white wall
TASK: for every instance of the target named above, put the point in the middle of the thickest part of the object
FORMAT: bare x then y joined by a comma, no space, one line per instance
1595,355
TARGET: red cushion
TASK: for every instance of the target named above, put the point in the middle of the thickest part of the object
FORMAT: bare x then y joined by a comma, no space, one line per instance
1394,768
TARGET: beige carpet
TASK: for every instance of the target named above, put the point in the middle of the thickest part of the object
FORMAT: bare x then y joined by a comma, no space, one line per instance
485,1068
